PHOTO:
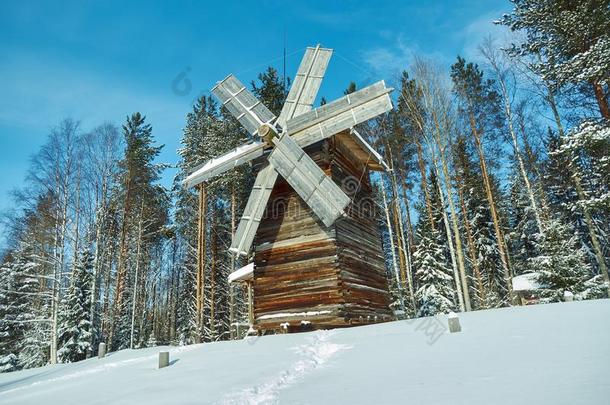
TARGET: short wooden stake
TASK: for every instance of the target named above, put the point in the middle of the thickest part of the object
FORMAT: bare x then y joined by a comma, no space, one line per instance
101,351
454,323
163,359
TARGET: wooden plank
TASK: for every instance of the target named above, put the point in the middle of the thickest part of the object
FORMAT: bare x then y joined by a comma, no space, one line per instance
320,193
228,161
306,267
253,212
306,83
242,104
340,114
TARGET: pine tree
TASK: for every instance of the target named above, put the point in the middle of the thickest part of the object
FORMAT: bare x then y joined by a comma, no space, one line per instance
479,104
75,313
570,41
137,192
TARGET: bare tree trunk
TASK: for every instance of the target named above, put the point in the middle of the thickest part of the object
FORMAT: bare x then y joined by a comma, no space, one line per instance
100,220
602,100
403,243
201,257
76,220
395,210
231,289
456,275
135,283
492,208
472,251
392,246
509,120
441,145
424,179
63,225
121,268
213,269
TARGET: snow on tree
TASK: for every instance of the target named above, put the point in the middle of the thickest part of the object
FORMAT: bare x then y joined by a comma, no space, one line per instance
570,40
585,150
434,293
75,313
588,145
561,264
435,285
19,287
8,347
523,226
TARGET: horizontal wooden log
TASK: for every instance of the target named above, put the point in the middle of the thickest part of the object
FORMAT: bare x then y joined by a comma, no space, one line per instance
329,276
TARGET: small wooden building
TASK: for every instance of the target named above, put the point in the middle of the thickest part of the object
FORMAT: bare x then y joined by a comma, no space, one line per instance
526,289
309,276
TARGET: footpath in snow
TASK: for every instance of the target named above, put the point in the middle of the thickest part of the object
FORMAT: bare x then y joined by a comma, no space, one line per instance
546,354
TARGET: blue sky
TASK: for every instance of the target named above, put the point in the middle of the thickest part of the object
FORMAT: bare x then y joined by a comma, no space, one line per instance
99,61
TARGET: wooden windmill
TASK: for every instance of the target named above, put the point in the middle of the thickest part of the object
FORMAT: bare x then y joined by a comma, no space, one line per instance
318,259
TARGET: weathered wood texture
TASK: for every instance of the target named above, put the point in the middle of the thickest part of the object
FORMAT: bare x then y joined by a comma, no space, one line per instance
312,276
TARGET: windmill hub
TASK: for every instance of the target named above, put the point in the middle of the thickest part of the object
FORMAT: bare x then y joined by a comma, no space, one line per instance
267,132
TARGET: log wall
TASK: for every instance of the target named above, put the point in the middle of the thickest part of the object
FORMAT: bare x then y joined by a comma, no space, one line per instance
313,276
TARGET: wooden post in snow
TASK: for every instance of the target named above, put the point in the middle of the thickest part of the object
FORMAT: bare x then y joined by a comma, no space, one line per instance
454,323
101,351
163,359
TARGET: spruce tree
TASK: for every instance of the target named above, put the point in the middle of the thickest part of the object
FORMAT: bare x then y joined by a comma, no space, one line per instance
561,265
9,350
75,313
270,90
434,290
20,315
435,286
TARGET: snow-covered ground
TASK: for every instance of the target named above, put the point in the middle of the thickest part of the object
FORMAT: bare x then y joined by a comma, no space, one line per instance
546,354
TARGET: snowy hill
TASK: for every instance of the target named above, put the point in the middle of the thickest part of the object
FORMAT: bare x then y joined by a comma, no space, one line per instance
546,354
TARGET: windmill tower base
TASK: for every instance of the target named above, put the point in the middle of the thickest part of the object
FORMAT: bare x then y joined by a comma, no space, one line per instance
308,276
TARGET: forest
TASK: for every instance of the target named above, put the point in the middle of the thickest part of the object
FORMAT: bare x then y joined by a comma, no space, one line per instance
498,168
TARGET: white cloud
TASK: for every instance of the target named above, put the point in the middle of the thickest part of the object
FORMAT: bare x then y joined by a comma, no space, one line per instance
478,30
390,61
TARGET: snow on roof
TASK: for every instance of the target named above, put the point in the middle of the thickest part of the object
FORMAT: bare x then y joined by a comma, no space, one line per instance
526,282
243,274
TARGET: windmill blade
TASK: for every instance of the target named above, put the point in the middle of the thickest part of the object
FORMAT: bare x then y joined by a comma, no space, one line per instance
228,161
242,104
255,208
341,114
306,83
318,191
